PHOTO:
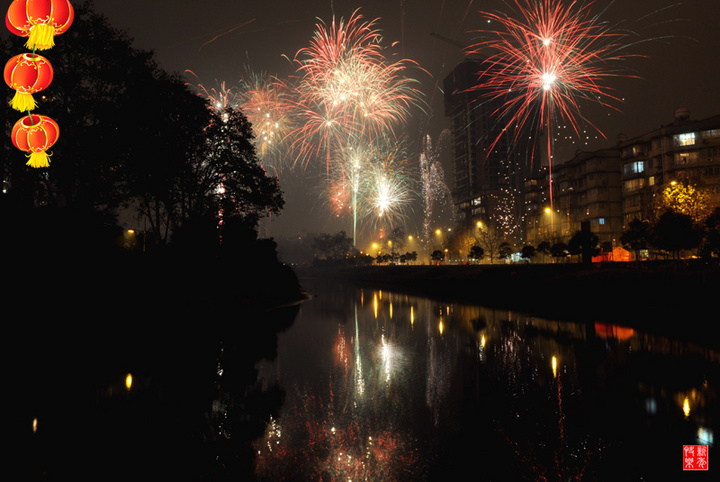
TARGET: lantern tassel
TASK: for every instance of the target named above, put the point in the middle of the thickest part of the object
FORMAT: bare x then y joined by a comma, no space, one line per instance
23,102
39,159
42,37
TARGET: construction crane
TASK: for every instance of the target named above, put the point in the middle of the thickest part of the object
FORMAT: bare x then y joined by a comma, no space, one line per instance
448,40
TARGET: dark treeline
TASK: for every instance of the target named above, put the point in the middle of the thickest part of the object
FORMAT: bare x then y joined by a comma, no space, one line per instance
98,301
136,144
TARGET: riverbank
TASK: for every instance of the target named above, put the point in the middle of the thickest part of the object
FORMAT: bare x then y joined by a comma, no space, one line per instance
654,297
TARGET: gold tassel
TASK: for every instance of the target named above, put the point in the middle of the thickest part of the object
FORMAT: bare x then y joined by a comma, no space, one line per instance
42,37
39,159
23,102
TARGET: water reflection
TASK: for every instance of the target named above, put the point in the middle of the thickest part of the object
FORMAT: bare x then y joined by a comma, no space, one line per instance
393,387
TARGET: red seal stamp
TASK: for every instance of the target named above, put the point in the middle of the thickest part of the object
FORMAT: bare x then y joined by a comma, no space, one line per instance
695,457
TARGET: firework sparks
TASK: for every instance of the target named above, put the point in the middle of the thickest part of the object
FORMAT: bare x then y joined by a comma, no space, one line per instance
347,89
372,183
436,194
266,102
220,98
545,60
386,188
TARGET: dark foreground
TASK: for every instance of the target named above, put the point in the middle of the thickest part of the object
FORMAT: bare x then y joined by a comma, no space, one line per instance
650,296
190,332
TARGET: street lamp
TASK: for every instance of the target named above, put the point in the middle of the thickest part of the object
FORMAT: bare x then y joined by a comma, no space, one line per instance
549,212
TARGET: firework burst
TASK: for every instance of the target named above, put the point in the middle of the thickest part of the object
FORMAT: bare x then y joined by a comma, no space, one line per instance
347,89
545,59
372,184
386,187
266,101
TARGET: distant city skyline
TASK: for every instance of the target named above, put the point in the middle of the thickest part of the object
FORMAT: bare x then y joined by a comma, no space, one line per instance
678,44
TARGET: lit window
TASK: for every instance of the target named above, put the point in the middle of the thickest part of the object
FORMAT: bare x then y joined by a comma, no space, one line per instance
687,139
634,184
682,158
634,168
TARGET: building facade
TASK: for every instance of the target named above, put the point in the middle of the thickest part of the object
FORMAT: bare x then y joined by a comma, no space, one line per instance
609,188
500,181
587,188
488,167
685,150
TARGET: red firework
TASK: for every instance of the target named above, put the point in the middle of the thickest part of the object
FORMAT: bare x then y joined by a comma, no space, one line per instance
547,57
347,89
266,101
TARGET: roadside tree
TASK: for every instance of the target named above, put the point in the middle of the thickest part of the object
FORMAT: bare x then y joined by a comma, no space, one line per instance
584,244
505,250
528,253
675,232
476,253
490,239
559,251
544,249
711,236
437,256
685,198
637,237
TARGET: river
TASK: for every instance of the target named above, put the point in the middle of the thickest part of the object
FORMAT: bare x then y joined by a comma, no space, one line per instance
385,386
354,384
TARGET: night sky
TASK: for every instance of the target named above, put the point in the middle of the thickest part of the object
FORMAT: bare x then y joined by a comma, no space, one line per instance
218,39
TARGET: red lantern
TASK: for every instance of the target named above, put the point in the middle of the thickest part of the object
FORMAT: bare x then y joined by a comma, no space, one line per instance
39,20
35,134
27,74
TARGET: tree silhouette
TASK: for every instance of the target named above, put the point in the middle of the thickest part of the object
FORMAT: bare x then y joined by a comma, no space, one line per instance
136,137
637,237
544,248
559,251
674,232
476,252
332,246
711,238
528,253
437,256
585,243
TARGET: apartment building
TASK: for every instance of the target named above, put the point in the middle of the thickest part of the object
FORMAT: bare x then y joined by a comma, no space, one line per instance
686,150
586,188
488,166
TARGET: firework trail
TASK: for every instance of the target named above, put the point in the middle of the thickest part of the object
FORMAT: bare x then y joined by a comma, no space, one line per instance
547,57
347,89
435,192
